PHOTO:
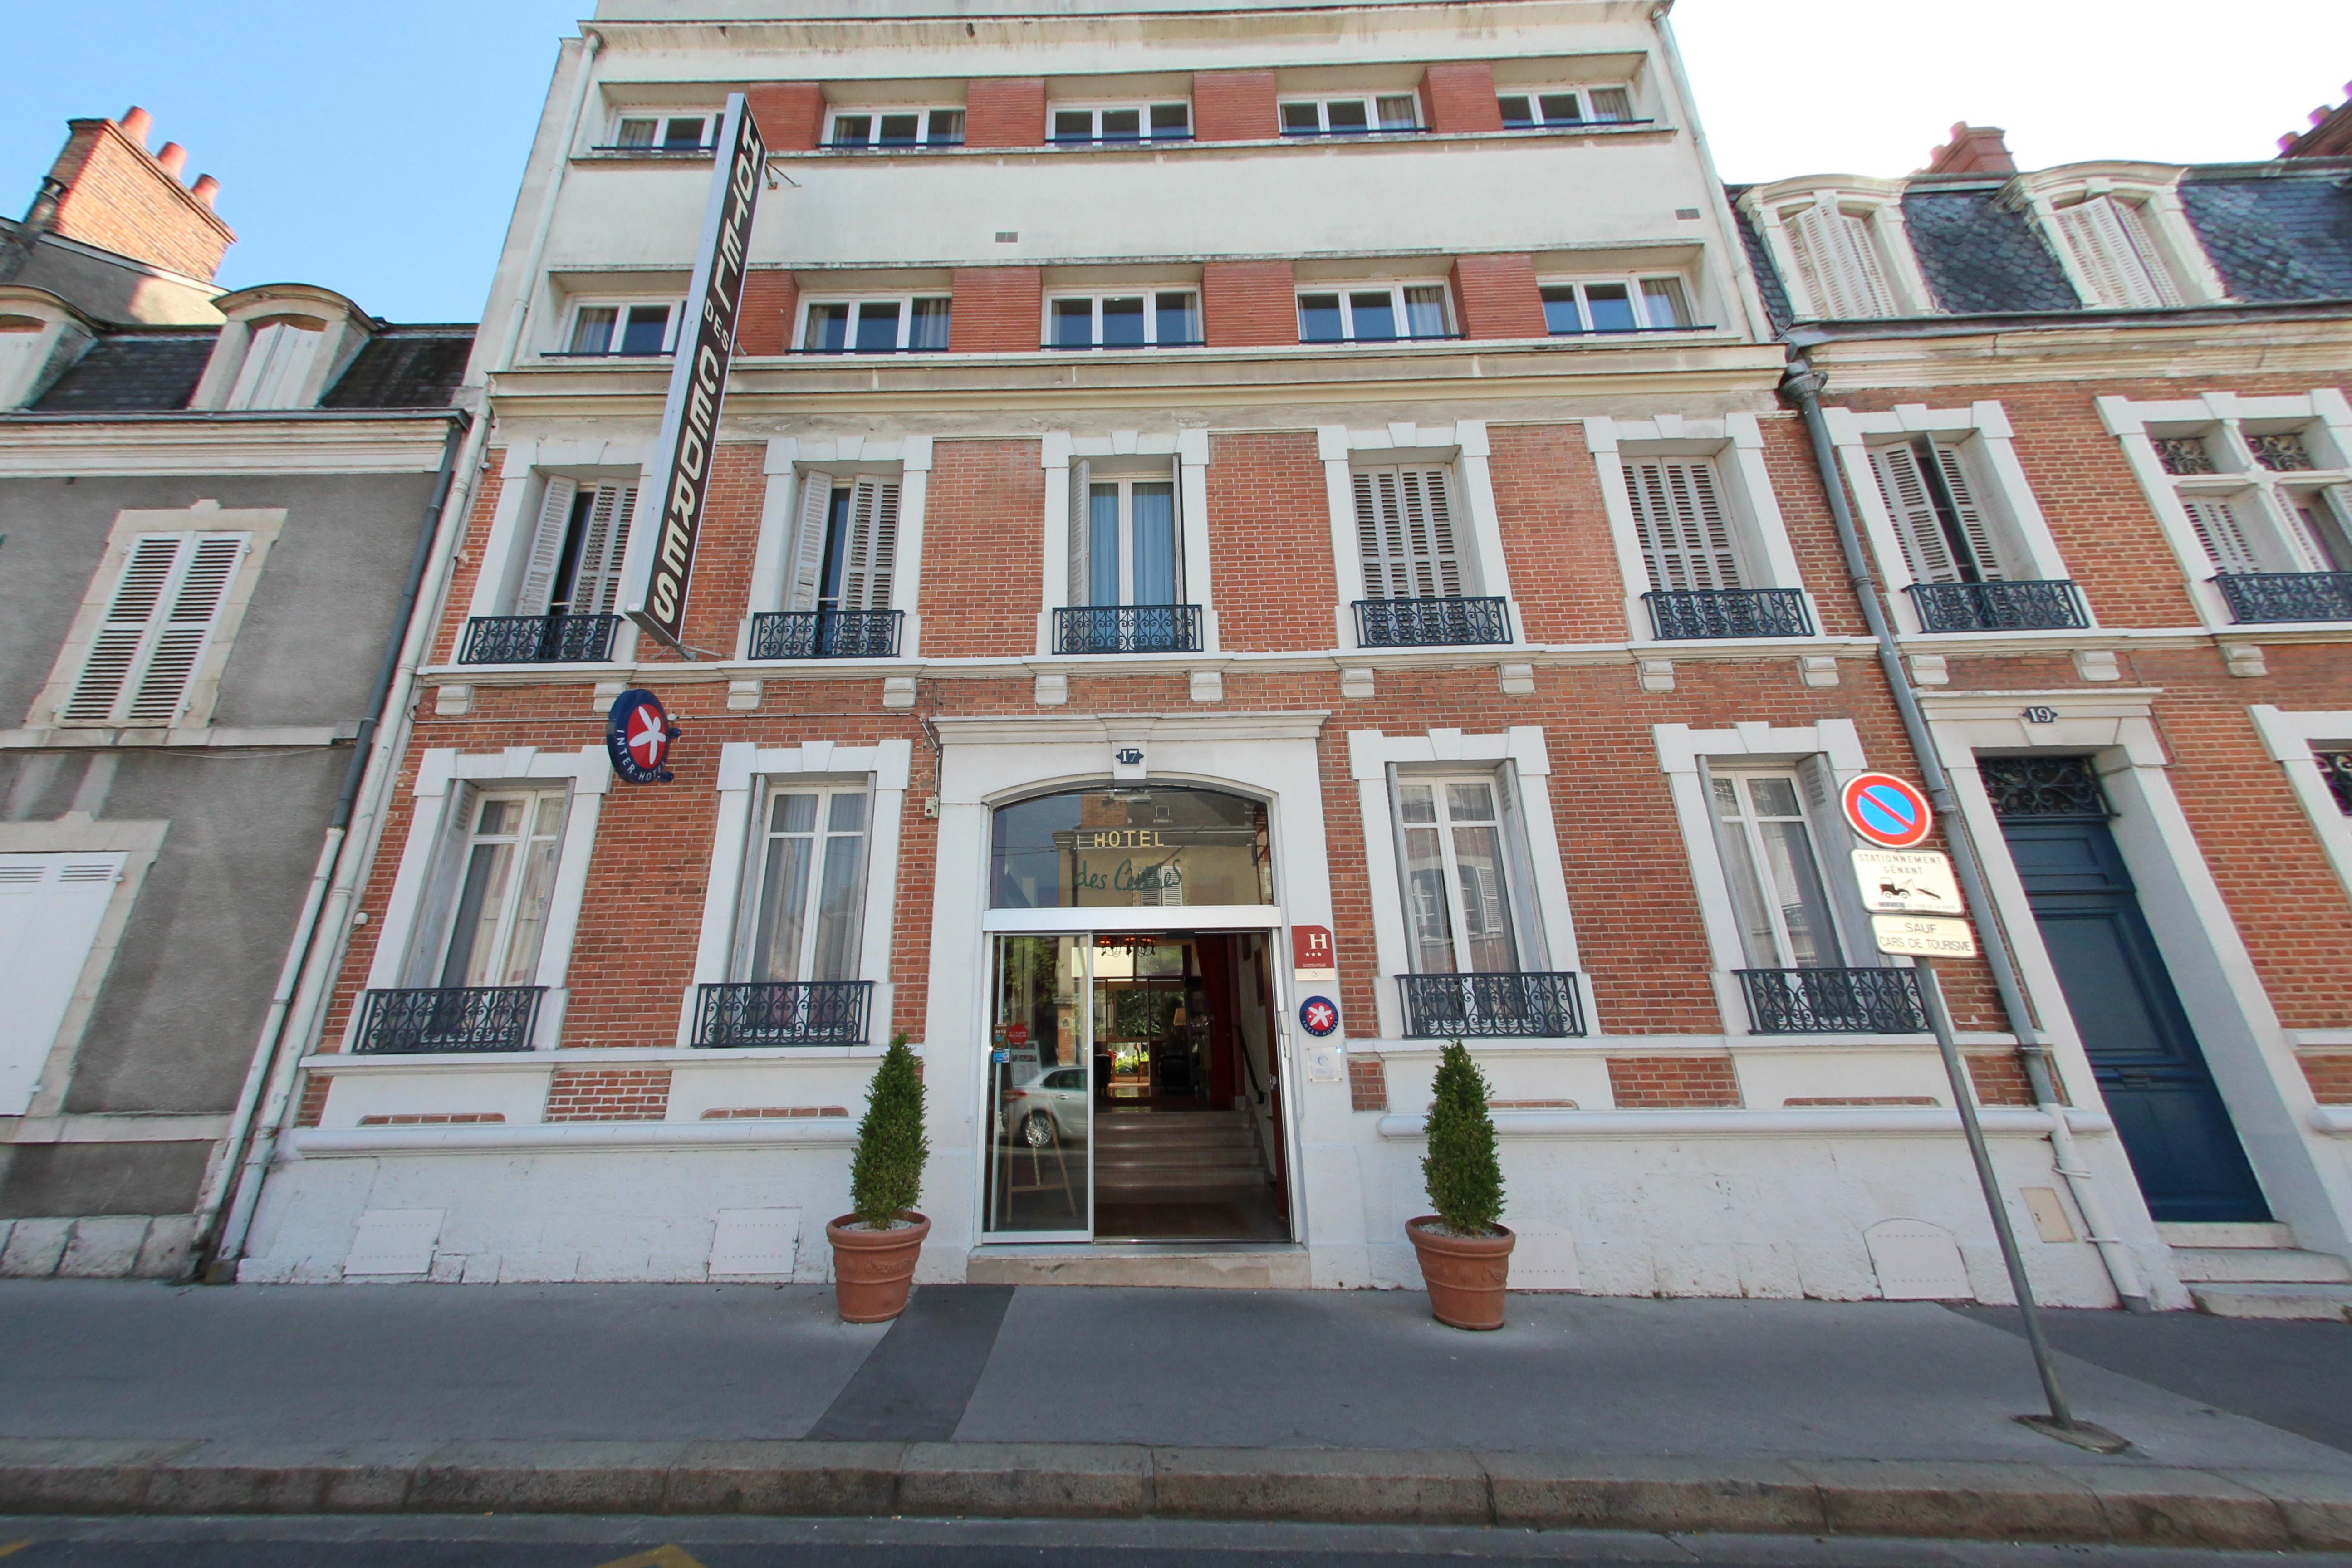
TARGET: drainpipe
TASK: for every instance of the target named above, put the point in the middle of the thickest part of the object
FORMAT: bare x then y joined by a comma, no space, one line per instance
1803,386
276,1064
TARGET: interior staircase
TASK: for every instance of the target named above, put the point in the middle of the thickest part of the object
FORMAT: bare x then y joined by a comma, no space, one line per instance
2258,1271
1178,1156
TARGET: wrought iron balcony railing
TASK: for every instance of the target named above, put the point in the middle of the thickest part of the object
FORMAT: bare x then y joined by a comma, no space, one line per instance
1678,613
538,639
1834,1001
2037,605
1431,623
1442,1006
827,633
1128,628
2287,596
448,1019
783,1012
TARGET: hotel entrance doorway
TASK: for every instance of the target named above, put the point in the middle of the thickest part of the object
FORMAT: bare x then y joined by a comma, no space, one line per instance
1134,1089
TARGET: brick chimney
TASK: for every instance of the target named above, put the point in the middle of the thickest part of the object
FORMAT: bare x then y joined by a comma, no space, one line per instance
2330,135
108,191
1973,150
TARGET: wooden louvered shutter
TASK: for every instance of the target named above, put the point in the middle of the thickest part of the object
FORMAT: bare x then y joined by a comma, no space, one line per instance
2112,244
808,541
1404,530
1840,264
872,545
603,543
1082,528
2222,533
1975,527
1925,549
546,554
1679,516
156,627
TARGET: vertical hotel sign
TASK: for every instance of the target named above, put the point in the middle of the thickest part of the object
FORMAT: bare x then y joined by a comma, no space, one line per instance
697,386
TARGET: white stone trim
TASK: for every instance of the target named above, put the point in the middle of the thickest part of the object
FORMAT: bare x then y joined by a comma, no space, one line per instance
788,461
1683,756
2290,738
2251,1056
1187,451
1987,424
588,770
1735,442
1372,755
139,843
576,1137
743,766
1463,448
1805,1122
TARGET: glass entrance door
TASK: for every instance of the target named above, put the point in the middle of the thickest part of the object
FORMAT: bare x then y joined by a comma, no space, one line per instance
1041,1090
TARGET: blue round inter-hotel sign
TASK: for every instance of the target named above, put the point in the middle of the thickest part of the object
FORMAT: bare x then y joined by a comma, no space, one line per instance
1318,1016
637,736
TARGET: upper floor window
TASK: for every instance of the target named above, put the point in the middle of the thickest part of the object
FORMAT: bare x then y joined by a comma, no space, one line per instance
1946,532
620,328
1404,530
1124,546
807,892
166,608
1459,878
1684,528
895,128
577,546
2121,235
492,892
2113,248
1166,318
1375,313
1352,116
1084,123
913,324
1786,920
1615,305
1838,256
1565,106
1842,251
846,546
650,131
278,358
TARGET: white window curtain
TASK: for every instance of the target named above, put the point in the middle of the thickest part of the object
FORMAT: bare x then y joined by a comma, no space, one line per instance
1679,516
1457,866
1783,904
1127,541
846,543
1946,535
1838,260
492,889
577,548
2110,243
1404,529
278,356
161,615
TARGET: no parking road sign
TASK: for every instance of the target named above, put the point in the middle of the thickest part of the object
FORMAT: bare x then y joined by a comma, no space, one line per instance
1886,811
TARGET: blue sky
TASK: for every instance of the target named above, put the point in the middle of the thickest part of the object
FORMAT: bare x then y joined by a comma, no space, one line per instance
374,147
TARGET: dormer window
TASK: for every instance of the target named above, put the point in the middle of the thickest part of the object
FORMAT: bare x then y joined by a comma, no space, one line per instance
1561,108
2110,243
2119,232
278,358
866,128
1841,250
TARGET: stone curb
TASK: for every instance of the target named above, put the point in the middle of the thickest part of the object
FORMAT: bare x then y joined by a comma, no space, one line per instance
2121,1502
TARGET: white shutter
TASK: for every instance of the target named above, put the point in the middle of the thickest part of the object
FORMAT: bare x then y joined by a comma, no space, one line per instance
1404,530
1839,263
1975,527
1925,548
2111,244
1081,515
604,541
872,545
50,907
278,357
808,541
546,554
156,627
2222,533
1684,533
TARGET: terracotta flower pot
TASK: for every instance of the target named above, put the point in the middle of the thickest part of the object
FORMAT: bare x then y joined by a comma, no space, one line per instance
1466,1273
874,1269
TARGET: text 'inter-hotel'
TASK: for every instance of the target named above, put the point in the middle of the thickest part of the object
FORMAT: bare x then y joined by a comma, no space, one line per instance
1242,544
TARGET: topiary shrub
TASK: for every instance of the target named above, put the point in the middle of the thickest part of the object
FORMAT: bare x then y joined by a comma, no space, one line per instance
886,1175
1465,1179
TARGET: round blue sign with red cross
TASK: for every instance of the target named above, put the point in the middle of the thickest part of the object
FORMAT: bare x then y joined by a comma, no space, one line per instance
1318,1016
1886,811
637,737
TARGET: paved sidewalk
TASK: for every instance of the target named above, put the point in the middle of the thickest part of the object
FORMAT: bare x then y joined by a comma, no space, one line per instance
1868,1417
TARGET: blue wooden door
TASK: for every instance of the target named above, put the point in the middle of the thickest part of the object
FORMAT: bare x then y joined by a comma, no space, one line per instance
2149,1068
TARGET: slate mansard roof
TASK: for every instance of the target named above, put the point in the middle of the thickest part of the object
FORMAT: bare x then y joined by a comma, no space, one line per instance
154,370
2276,233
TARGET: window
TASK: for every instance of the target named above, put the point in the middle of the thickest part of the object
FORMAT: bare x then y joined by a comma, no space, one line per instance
652,132
636,329
1123,544
50,909
916,324
1151,846
1838,262
1122,122
2258,496
279,357
1383,313
1617,305
1946,533
2115,252
2335,767
1683,527
1456,888
165,610
1350,116
576,549
1162,318
1777,889
1404,528
808,892
498,888
1582,106
897,128
847,543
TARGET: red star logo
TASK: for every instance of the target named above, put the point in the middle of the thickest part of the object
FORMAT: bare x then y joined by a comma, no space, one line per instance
1321,1016
647,740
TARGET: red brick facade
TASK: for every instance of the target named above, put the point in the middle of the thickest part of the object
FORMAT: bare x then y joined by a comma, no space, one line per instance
1497,296
1234,106
1248,302
1007,112
790,114
770,306
1653,1083
1460,96
608,1094
997,309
